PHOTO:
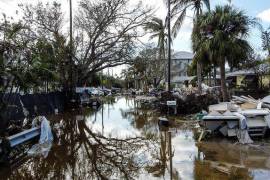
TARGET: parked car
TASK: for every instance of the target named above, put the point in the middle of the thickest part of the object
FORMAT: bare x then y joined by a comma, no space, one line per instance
97,92
106,91
115,90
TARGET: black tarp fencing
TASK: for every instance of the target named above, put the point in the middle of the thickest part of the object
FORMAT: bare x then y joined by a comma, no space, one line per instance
35,104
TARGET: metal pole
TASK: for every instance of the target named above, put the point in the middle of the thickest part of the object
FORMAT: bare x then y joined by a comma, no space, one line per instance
70,36
170,149
169,44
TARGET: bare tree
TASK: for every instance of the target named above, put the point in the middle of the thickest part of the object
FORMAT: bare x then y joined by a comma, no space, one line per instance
107,34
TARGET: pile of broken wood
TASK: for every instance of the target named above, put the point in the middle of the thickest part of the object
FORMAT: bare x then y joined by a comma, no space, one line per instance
248,102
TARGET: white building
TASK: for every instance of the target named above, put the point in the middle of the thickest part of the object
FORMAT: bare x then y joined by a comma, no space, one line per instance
179,66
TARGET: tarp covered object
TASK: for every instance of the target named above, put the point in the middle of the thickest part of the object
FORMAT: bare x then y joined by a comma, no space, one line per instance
45,140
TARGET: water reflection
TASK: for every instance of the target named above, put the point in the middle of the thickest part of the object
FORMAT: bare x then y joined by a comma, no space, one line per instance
121,140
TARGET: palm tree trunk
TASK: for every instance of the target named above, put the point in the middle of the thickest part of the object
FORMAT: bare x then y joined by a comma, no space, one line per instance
199,77
199,64
223,81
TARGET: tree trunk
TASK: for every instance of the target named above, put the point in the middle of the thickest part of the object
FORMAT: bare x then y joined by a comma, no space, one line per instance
215,76
261,81
223,81
209,79
199,77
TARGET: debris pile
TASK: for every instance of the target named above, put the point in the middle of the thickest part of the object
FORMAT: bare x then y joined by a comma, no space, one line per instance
189,104
243,117
145,99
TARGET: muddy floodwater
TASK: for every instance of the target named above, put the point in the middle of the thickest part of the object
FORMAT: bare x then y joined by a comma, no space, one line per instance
122,140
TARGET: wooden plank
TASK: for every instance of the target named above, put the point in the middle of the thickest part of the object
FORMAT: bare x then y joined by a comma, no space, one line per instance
201,136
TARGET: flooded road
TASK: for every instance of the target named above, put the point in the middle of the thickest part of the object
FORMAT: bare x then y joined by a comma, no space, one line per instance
121,140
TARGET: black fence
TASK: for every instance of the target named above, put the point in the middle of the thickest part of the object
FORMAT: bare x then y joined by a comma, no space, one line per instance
19,106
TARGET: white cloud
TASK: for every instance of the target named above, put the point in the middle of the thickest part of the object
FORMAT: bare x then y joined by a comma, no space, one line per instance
264,15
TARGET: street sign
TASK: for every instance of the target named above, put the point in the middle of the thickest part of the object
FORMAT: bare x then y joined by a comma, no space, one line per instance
171,103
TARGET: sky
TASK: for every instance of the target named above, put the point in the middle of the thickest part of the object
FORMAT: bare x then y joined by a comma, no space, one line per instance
253,8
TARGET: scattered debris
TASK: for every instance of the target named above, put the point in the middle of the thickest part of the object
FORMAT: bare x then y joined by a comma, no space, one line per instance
201,136
243,117
145,99
189,104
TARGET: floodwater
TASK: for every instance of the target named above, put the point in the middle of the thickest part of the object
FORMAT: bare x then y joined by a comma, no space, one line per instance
122,140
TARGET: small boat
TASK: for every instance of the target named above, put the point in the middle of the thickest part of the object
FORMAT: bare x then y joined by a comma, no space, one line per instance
7,144
41,129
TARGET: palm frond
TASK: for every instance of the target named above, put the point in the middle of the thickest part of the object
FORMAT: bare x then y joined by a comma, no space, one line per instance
207,4
178,23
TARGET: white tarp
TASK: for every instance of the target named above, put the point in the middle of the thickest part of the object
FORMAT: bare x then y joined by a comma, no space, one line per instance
45,140
243,136
266,99
46,132
242,120
242,133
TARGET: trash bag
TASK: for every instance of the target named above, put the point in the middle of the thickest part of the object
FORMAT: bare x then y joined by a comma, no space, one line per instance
45,140
46,132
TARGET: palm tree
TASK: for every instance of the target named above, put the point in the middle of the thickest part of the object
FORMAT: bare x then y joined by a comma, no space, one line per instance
158,30
222,34
179,9
266,40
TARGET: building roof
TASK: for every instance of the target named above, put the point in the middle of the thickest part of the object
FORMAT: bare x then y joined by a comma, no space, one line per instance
180,79
240,72
182,55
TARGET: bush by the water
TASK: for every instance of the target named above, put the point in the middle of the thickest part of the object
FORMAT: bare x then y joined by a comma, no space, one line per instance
189,104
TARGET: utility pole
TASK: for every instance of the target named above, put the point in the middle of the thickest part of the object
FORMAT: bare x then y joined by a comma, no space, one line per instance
169,45
70,48
170,152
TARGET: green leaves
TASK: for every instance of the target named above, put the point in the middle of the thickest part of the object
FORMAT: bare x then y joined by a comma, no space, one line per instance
220,34
265,35
179,10
157,30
